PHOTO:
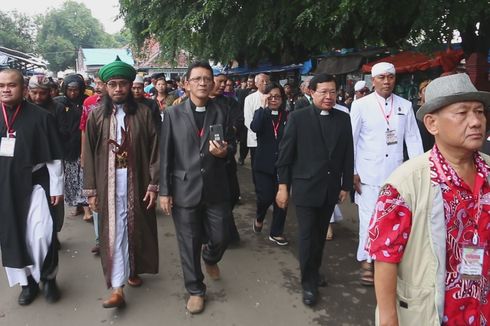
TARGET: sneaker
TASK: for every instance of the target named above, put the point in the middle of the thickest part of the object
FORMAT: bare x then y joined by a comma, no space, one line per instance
281,241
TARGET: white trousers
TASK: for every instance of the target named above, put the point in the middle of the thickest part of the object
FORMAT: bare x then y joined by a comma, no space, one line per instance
366,202
39,231
120,259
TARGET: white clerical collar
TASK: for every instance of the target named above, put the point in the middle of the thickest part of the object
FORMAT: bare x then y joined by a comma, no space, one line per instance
200,109
324,112
274,112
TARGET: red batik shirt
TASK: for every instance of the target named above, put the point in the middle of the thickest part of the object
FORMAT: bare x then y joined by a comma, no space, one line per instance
466,301
89,104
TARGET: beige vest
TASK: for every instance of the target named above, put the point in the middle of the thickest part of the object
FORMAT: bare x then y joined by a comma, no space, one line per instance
422,271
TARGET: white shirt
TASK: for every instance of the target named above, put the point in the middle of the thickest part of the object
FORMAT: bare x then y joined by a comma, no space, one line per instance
374,159
120,114
252,103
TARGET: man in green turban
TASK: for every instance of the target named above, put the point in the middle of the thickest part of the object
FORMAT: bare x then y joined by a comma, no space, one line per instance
121,170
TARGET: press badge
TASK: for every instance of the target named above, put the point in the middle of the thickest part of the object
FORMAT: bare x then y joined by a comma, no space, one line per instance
472,261
391,137
7,147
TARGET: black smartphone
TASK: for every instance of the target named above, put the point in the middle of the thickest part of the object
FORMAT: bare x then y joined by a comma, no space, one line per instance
216,133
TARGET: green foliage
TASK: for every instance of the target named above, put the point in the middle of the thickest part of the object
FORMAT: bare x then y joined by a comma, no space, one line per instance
17,31
65,30
287,31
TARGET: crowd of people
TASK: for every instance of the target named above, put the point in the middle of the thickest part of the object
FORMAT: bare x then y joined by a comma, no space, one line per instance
118,147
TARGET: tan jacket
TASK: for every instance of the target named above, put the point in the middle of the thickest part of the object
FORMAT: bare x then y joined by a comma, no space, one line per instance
422,271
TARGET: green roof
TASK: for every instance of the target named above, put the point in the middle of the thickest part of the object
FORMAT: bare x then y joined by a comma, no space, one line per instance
100,57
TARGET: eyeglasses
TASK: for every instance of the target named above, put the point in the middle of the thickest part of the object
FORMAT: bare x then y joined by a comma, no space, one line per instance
332,92
201,79
275,97
120,84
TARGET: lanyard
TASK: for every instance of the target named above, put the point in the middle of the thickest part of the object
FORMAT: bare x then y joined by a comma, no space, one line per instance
276,125
386,116
9,126
479,206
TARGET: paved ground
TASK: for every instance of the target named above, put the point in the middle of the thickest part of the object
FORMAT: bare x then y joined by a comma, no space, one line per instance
259,284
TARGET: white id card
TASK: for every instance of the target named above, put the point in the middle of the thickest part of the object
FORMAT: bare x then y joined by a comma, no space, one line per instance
7,147
471,262
391,137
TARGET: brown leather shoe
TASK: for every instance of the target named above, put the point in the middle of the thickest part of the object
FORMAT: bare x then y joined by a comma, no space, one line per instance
135,281
116,300
213,271
195,304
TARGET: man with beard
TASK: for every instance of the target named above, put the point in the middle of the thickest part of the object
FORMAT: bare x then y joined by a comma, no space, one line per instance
31,178
39,93
121,166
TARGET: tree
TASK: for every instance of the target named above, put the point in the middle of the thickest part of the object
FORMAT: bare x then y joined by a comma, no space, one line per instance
287,31
17,31
63,31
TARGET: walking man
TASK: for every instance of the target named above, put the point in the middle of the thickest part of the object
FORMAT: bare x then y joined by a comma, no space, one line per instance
121,165
316,159
197,138
31,183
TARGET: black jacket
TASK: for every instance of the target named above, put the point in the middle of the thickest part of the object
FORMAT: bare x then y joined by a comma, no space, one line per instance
267,144
316,169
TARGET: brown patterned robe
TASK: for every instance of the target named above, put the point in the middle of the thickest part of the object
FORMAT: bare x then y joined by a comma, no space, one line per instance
143,174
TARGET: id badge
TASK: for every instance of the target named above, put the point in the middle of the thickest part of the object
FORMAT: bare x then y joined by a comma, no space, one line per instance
7,147
472,261
391,137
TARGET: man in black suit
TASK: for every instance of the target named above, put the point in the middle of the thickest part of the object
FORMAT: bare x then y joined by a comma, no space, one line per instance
316,158
194,182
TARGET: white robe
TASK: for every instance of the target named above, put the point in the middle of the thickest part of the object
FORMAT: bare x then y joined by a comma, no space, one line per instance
39,226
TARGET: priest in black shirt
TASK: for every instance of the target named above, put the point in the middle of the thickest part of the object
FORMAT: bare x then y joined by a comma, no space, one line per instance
316,158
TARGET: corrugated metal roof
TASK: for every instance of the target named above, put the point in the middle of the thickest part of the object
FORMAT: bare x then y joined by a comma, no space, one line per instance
100,57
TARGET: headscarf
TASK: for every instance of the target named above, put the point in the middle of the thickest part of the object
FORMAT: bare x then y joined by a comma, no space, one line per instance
73,80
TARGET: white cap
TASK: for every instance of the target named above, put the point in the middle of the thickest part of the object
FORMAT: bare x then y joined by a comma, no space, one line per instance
359,85
138,80
382,68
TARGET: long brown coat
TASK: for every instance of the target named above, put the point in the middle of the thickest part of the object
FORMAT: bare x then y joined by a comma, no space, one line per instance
143,174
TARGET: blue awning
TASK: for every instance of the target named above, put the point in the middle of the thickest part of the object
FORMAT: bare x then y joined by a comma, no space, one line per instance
262,69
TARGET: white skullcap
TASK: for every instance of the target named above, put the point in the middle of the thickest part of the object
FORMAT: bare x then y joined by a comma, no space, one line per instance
382,68
359,85
138,80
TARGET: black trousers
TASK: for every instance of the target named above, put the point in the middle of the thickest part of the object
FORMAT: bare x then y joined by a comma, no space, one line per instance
242,135
192,225
312,225
266,189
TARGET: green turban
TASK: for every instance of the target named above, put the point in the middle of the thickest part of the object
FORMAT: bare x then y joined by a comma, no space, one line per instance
117,69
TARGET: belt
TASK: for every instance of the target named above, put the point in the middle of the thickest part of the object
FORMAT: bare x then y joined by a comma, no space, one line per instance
122,160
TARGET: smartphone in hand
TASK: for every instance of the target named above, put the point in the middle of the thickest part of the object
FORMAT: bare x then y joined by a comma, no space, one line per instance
216,133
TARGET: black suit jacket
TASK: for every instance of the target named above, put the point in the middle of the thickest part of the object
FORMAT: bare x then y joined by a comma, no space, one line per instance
316,169
301,103
267,144
188,172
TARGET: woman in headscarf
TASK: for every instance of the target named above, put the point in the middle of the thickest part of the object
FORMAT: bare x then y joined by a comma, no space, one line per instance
69,125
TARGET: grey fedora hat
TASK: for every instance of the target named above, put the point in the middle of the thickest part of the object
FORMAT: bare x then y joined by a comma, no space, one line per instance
451,89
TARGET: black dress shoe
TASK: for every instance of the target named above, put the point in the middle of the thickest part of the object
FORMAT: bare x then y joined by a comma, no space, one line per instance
29,292
309,298
51,291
